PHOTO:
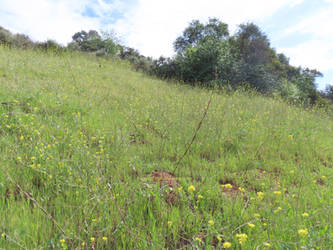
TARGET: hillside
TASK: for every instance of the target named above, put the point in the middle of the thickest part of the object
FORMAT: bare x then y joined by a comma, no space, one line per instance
83,142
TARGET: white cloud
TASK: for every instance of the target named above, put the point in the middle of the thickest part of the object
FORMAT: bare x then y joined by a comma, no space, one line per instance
317,51
51,19
316,54
148,25
318,24
151,26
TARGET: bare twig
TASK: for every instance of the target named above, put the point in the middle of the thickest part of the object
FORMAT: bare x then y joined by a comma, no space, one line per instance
29,196
195,133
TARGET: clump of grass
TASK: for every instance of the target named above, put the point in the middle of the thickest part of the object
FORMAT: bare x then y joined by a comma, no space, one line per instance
83,142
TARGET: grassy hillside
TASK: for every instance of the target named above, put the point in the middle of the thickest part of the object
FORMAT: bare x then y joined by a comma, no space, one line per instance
85,142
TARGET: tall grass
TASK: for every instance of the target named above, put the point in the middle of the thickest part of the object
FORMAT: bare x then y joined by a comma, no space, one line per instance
80,138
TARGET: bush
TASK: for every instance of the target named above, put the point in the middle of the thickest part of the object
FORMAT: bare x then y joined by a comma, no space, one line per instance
289,91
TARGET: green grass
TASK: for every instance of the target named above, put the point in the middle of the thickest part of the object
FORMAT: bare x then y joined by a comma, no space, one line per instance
82,136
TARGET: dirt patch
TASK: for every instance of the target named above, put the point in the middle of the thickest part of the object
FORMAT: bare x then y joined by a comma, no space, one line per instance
169,180
320,182
138,139
325,163
231,192
165,178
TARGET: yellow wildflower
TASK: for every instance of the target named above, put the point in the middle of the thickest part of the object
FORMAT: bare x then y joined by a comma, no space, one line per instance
241,238
105,238
219,238
303,232
92,239
226,244
277,192
256,215
305,215
198,240
200,196
266,244
241,189
62,241
260,195
228,185
278,210
211,222
169,223
191,188
251,225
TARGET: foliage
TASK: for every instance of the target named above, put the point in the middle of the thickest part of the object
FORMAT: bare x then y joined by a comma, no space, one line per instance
49,45
103,45
14,40
198,32
329,92
206,53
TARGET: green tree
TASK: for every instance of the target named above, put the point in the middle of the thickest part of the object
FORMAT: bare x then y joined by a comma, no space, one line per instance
252,45
197,32
88,41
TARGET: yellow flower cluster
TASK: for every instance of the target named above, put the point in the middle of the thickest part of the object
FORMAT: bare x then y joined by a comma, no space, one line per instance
305,215
241,238
226,244
251,225
191,188
260,195
226,186
211,222
303,232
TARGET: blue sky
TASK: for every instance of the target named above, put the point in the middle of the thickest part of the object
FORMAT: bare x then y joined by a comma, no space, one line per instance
301,29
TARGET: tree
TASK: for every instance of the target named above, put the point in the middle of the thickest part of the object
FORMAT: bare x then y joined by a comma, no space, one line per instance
88,41
329,92
252,45
305,81
79,37
197,32
200,63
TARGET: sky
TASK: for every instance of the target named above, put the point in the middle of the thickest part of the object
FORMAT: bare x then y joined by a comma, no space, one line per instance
301,29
